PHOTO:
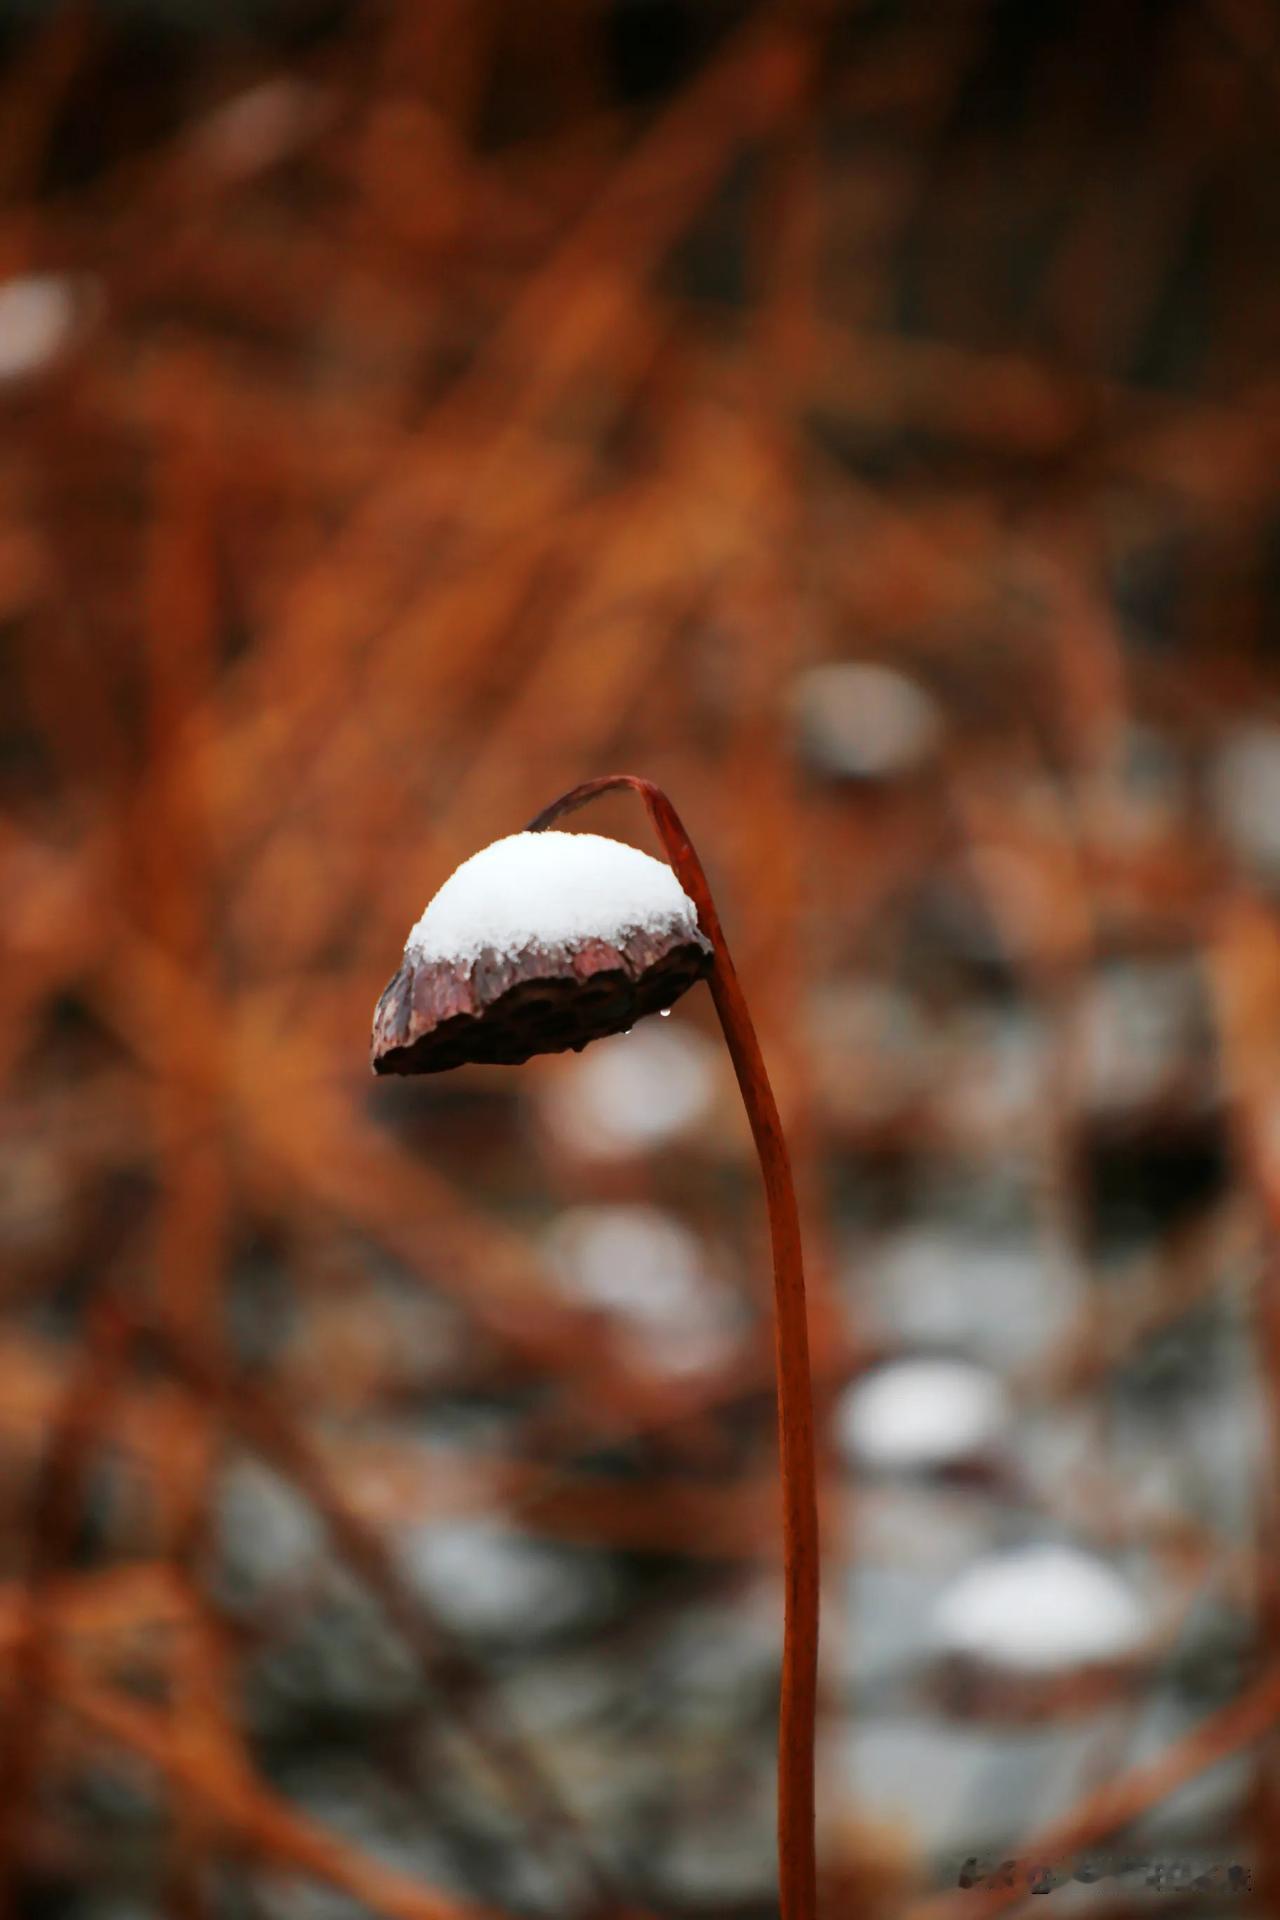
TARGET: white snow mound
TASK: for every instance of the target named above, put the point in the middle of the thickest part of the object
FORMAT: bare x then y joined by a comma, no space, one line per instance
1041,1609
921,1413
546,890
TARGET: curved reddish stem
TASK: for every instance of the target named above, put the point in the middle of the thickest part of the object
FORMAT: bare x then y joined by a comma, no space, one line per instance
795,1392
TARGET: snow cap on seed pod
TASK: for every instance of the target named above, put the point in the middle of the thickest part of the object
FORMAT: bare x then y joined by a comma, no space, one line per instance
538,943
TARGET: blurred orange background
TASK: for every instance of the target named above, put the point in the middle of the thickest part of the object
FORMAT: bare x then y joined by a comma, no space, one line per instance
863,420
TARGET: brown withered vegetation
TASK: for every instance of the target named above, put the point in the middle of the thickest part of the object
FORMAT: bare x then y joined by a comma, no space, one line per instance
406,413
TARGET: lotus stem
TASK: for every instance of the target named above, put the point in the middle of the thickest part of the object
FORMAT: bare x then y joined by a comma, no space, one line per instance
798,1705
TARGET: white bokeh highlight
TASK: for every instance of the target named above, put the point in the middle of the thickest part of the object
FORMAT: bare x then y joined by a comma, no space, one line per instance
921,1414
1041,1610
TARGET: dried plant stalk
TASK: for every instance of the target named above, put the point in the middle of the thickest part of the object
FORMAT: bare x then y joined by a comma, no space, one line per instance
798,1705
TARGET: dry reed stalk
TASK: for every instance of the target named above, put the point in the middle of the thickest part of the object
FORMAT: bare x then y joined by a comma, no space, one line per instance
1247,981
59,1489
686,149
447,1665
252,1818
